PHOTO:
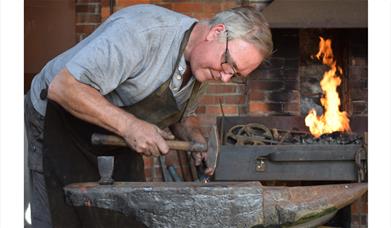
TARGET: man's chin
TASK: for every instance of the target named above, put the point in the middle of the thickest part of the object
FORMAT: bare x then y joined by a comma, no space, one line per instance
201,78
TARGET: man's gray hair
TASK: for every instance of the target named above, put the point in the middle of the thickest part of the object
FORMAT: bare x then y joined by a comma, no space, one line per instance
248,24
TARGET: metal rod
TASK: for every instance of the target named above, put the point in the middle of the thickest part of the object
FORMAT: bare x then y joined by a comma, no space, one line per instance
112,3
222,122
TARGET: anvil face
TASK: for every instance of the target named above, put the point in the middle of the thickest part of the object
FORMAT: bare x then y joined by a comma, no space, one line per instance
215,204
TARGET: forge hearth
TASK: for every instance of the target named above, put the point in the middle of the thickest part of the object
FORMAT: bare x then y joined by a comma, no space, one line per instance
321,160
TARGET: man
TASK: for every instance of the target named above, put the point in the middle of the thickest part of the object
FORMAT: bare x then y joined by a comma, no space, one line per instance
139,72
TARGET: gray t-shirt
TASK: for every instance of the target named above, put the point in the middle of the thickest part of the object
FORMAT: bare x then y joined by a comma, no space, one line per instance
126,58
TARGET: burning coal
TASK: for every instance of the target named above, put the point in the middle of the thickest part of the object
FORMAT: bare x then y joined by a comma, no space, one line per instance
332,119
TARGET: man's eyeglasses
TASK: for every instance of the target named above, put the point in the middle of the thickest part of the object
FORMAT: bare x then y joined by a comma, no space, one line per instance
227,67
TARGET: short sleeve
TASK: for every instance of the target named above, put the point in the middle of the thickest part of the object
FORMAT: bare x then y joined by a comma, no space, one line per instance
109,58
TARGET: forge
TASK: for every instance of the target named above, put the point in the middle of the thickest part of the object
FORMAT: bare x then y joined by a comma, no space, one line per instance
256,154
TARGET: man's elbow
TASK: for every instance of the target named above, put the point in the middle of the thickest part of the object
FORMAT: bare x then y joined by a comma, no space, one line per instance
59,85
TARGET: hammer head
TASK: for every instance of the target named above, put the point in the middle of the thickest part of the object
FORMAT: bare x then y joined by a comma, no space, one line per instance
213,149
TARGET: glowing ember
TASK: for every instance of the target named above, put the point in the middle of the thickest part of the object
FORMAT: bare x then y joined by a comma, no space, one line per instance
332,119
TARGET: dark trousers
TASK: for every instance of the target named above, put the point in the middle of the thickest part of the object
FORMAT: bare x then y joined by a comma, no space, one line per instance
34,123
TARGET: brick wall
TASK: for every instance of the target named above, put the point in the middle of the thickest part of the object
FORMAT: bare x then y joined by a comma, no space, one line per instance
200,9
359,210
358,103
358,72
88,17
274,86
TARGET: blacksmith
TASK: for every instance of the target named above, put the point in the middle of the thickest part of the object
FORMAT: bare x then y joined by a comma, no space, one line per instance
138,73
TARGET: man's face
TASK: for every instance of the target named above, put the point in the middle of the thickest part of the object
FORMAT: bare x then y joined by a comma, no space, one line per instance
216,60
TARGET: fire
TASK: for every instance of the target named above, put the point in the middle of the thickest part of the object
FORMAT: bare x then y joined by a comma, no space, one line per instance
332,119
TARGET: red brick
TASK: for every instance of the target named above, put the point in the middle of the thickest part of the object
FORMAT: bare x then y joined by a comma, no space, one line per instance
360,108
172,158
228,4
358,61
221,88
256,107
241,88
130,2
212,8
257,95
360,206
105,13
200,15
171,1
87,18
165,5
208,99
184,168
187,7
284,96
291,107
87,8
359,95
105,2
148,174
227,109
86,29
266,85
291,85
148,162
357,73
234,99
87,1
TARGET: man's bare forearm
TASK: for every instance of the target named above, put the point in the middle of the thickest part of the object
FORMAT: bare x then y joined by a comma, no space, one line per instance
86,103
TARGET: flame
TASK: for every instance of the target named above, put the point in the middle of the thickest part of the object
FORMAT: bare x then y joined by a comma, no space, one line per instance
332,119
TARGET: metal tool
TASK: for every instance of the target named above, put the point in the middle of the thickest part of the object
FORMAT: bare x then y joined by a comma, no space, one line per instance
163,167
113,140
106,167
212,147
174,175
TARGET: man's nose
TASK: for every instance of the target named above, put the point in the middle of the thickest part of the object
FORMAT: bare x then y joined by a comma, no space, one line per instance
225,77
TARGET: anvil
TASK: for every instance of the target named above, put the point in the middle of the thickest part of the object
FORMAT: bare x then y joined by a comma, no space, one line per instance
217,204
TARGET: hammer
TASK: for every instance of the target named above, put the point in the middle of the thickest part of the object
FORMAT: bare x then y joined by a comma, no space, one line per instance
212,147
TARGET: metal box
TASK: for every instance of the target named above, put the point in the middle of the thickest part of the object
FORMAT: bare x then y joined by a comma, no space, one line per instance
296,162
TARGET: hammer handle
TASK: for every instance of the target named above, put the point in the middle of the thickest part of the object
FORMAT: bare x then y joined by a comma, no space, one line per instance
112,140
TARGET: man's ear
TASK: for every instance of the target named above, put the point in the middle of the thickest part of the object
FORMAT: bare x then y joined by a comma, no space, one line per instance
215,32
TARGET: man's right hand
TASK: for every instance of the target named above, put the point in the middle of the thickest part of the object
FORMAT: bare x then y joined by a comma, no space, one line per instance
145,138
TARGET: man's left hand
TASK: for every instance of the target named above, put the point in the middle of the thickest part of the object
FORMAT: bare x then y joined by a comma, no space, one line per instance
188,129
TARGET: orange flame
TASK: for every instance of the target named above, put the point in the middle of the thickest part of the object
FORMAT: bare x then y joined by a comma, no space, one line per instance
332,119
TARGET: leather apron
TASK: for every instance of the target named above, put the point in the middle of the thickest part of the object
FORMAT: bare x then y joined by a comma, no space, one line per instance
69,156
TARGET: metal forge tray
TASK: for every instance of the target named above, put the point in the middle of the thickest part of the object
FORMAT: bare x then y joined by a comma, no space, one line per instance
292,162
